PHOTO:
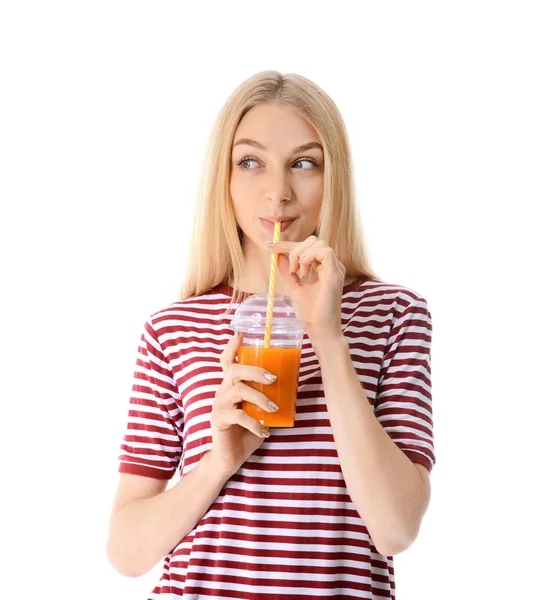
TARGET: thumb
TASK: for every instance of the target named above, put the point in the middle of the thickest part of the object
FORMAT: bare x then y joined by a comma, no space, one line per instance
291,279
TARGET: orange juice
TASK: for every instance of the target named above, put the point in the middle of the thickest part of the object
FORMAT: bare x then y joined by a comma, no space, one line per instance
283,362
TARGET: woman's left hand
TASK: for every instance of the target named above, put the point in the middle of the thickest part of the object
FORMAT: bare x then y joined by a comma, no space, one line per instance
319,301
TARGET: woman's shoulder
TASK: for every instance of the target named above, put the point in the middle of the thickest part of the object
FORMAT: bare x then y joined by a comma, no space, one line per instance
369,288
204,307
373,297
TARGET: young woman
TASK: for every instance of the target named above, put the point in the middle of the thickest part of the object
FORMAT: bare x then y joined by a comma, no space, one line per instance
317,510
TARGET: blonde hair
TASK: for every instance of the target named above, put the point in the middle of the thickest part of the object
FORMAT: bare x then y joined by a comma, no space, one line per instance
216,251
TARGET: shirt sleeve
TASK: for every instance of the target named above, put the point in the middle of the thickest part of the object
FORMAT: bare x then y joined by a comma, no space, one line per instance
404,402
152,444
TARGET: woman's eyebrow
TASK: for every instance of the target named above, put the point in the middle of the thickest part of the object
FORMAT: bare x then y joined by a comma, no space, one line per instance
256,144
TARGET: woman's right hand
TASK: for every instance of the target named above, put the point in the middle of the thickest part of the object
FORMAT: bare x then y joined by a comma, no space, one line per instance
236,435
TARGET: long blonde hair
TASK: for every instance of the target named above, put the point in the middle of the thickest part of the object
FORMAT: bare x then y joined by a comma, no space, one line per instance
216,248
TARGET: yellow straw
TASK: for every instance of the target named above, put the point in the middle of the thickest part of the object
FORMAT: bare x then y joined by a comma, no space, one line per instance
272,288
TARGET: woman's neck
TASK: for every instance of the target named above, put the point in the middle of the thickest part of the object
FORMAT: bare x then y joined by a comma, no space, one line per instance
261,287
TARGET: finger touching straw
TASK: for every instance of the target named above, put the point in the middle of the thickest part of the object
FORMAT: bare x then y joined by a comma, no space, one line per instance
272,287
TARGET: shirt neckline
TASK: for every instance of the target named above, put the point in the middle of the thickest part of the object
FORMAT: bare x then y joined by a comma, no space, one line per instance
228,290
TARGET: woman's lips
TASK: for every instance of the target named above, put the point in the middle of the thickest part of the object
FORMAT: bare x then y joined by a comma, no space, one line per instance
269,225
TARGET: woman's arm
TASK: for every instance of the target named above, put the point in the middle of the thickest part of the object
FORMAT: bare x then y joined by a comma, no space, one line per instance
147,522
390,492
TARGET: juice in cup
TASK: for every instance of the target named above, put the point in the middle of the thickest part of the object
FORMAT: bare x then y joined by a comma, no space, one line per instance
282,357
284,363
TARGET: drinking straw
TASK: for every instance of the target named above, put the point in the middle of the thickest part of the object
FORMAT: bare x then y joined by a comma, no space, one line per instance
272,287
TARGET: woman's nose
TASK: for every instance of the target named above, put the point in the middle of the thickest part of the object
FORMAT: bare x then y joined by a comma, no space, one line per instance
278,188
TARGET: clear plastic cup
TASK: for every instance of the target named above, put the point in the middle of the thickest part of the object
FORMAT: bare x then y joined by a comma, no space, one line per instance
282,358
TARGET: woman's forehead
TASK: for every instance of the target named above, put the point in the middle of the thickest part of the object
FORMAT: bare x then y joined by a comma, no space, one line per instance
273,120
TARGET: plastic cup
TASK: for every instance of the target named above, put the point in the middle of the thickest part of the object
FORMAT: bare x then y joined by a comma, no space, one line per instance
282,358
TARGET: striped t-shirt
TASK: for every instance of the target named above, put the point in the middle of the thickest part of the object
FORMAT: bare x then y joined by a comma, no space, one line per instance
284,525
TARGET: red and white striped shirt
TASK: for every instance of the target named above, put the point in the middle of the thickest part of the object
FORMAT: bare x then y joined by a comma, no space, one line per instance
284,525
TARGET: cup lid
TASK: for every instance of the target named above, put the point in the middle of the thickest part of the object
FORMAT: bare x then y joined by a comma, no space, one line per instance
250,316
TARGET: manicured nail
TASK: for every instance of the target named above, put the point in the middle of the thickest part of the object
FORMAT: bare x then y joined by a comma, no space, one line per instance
265,433
272,245
273,405
270,377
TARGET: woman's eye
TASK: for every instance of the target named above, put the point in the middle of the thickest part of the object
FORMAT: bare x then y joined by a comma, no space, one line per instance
243,163
305,160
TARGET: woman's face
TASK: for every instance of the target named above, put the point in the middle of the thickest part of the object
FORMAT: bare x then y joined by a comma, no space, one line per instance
277,171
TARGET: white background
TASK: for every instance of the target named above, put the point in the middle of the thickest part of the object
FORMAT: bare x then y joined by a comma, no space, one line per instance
452,113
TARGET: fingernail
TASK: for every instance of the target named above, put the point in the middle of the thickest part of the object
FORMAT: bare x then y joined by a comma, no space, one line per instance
265,433
273,405
270,377
272,245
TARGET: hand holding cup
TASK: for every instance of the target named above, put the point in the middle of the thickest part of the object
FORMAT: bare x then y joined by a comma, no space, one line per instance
235,434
